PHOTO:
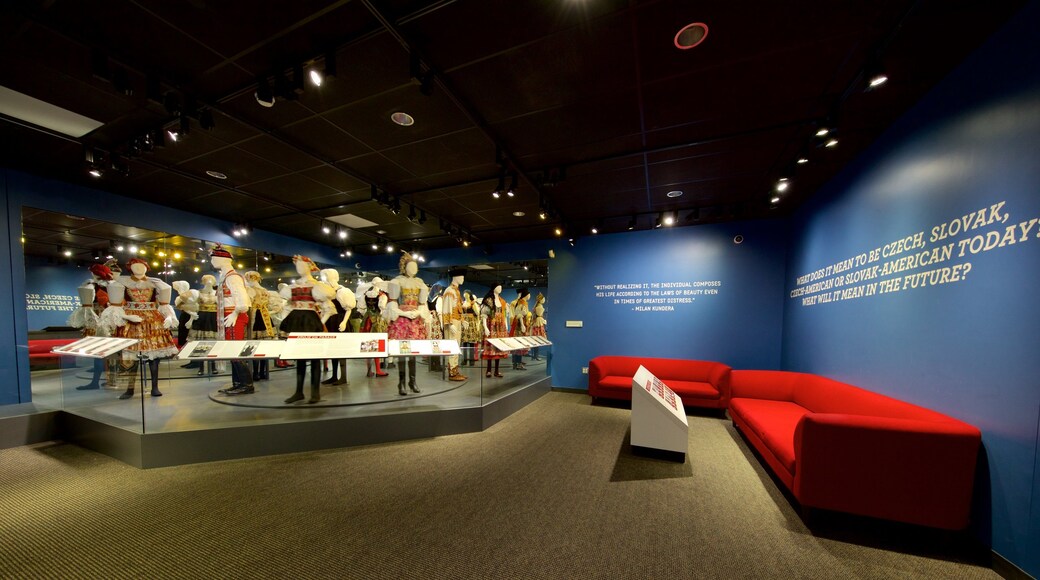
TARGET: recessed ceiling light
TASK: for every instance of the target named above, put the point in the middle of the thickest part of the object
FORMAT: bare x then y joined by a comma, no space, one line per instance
691,35
402,119
215,174
674,193
823,132
519,214
381,232
831,143
878,80
802,160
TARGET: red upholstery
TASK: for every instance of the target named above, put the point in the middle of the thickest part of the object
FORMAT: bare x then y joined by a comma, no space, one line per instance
843,448
698,383
40,350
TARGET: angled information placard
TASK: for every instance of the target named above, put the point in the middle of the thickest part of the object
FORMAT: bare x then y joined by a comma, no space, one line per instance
231,349
437,347
658,416
95,346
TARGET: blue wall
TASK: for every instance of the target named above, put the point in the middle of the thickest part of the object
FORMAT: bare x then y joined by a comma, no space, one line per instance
740,325
51,293
967,347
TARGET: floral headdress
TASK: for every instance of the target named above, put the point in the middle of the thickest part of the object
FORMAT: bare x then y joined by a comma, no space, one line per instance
405,258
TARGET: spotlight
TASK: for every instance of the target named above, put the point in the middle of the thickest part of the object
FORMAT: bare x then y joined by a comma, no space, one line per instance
501,186
558,231
669,219
422,216
120,248
822,132
802,160
325,229
195,269
594,230
264,96
542,215
375,246
878,80
782,185
389,248
412,216
94,172
775,199
341,233
316,77
132,249
67,253
512,186
632,223
657,222
465,242
267,257
831,143
181,131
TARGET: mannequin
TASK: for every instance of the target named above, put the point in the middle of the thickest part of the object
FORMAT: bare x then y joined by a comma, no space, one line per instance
232,315
408,314
305,302
451,317
433,329
538,323
371,308
93,299
187,302
344,303
139,307
472,333
204,327
493,320
263,306
519,312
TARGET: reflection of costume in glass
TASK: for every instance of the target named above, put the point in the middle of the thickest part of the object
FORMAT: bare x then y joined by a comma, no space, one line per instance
518,325
496,323
263,327
405,328
373,320
538,325
205,326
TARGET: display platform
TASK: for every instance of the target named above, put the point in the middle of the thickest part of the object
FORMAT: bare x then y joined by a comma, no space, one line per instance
370,391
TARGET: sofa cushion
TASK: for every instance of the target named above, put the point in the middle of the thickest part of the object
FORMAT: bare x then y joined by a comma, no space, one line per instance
692,389
823,395
616,382
774,422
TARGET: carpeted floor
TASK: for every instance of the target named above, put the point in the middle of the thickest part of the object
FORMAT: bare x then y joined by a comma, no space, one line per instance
552,492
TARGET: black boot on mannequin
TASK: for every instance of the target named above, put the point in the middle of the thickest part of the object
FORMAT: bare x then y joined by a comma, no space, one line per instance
301,370
95,379
411,375
153,368
315,383
400,381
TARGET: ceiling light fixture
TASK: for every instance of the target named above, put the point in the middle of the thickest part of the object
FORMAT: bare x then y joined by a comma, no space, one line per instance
497,193
316,77
831,143
691,35
669,219
822,132
325,228
775,199
878,80
802,160
674,193
558,231
403,119
658,221
342,233
632,223
263,94
216,174
512,186
782,185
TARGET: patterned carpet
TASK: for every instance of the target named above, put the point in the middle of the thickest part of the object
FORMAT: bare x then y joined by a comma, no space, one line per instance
552,492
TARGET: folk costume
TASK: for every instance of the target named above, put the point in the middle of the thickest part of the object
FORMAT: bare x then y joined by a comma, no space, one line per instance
407,314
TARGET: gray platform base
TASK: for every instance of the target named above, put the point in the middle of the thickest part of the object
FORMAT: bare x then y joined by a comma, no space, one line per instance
183,447
29,429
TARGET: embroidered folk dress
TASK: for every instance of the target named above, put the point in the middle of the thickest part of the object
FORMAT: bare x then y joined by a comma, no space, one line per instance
405,328
496,326
156,342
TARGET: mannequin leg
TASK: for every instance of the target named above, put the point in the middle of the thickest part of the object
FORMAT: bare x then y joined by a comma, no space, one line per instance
488,373
368,368
343,372
153,368
131,374
335,374
497,374
411,377
379,371
315,382
95,377
301,370
400,380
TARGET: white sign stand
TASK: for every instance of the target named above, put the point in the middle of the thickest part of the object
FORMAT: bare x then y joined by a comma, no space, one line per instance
437,347
231,349
658,416
312,345
96,346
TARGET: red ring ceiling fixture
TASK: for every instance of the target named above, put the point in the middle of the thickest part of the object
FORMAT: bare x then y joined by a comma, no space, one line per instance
691,35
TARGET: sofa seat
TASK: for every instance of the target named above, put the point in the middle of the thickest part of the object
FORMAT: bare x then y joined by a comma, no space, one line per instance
839,447
697,383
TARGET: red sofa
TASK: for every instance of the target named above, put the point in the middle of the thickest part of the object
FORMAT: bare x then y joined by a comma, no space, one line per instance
698,383
842,448
40,350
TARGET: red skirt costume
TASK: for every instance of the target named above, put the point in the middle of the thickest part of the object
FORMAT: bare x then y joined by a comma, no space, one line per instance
405,328
497,327
156,341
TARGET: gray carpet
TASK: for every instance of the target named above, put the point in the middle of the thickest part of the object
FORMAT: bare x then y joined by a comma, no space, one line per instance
552,492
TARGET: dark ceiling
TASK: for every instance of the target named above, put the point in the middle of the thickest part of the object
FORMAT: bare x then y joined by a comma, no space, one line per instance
588,102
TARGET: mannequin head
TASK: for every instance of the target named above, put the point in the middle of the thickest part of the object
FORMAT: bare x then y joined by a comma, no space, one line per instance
330,276
489,300
252,278
220,258
467,295
408,265
374,287
522,294
498,290
209,280
138,267
101,272
181,286
113,265
304,266
458,276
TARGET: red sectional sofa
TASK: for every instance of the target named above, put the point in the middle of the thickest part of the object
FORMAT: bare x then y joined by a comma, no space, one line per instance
698,383
40,350
842,448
